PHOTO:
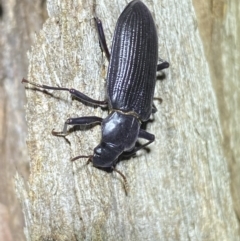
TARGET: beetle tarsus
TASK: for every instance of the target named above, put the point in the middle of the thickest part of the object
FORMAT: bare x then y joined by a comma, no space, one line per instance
59,133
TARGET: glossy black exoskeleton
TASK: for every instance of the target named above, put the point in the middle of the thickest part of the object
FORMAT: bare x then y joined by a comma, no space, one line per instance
131,82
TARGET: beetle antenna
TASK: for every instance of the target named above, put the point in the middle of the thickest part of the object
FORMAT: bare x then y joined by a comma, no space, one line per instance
126,186
78,157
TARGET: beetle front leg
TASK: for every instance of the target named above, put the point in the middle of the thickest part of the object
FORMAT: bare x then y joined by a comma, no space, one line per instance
142,134
79,95
81,121
101,36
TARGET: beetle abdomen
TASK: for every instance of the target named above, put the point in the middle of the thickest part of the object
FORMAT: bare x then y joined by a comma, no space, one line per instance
132,69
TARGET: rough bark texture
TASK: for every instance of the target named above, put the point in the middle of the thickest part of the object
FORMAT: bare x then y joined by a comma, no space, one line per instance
18,22
220,31
180,190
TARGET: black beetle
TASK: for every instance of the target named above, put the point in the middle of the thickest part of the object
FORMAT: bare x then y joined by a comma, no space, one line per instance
131,82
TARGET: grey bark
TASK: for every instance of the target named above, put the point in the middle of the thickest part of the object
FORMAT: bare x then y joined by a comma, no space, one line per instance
219,28
180,190
18,22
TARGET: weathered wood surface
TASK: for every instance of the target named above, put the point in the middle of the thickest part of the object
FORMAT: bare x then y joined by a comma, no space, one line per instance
19,20
219,28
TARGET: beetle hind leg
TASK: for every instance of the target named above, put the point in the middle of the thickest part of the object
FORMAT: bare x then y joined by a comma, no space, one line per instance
101,36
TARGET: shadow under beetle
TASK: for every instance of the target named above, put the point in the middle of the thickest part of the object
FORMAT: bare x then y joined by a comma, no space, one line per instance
131,82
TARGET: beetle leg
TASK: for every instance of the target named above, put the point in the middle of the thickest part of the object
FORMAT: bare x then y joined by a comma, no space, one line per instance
73,92
81,121
146,135
101,36
154,108
79,95
163,65
142,134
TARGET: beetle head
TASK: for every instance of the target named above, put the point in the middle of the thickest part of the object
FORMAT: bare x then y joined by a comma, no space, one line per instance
106,156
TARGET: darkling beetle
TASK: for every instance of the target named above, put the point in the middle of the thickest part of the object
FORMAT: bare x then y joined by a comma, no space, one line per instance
131,82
